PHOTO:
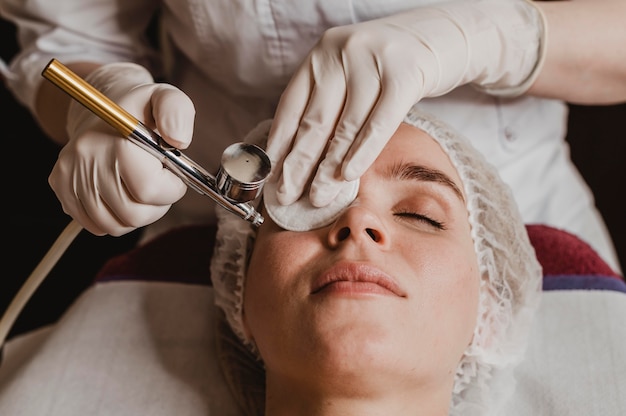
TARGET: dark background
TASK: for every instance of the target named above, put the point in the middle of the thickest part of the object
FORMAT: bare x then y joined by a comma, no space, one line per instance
34,217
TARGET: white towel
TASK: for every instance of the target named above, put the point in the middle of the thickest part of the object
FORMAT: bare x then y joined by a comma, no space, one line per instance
576,362
124,349
146,348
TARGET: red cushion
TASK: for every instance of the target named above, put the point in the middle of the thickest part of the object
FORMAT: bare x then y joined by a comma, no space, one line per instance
562,253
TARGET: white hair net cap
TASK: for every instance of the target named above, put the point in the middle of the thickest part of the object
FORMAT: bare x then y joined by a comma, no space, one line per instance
510,273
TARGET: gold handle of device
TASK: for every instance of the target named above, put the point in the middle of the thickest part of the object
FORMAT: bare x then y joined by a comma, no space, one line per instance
87,95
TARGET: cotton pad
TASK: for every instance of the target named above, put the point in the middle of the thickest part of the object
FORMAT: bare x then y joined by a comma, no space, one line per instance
301,215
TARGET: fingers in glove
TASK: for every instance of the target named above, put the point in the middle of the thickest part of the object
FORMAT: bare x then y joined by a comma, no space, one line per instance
361,96
141,215
316,127
79,202
393,104
144,178
115,195
288,114
100,219
328,180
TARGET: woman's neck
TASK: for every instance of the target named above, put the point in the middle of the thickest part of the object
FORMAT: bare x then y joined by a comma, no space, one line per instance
367,399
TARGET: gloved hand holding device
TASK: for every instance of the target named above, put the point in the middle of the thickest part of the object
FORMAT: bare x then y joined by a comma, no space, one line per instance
106,182
360,80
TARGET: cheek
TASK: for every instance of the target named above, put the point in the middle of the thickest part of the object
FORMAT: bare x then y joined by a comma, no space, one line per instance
448,294
261,284
271,281
459,299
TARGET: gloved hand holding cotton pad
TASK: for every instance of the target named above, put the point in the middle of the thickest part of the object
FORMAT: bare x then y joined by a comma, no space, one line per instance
301,215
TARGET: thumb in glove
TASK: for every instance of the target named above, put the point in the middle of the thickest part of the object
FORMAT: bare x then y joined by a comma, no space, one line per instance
106,182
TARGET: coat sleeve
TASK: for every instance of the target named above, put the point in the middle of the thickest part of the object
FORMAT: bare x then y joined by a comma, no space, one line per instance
88,30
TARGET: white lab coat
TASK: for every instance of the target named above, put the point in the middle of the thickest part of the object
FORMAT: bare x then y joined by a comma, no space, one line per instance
234,57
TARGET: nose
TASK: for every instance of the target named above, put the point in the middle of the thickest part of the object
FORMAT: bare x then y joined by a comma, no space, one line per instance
357,224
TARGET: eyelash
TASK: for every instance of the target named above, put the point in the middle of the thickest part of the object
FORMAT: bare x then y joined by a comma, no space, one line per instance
420,217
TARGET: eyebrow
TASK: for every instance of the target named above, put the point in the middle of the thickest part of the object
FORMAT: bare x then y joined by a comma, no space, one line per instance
407,171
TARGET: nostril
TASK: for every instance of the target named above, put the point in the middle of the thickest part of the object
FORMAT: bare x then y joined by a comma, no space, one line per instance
343,233
372,234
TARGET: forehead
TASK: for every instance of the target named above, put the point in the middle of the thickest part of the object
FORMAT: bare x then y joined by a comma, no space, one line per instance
411,145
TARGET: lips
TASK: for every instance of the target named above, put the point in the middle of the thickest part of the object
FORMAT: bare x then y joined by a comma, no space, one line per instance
356,277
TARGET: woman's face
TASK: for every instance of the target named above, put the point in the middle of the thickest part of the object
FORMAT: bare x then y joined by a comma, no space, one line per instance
389,291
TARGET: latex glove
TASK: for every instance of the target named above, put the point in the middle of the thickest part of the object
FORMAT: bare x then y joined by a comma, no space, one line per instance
106,182
360,80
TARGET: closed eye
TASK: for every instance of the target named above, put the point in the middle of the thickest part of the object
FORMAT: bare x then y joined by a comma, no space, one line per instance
423,218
